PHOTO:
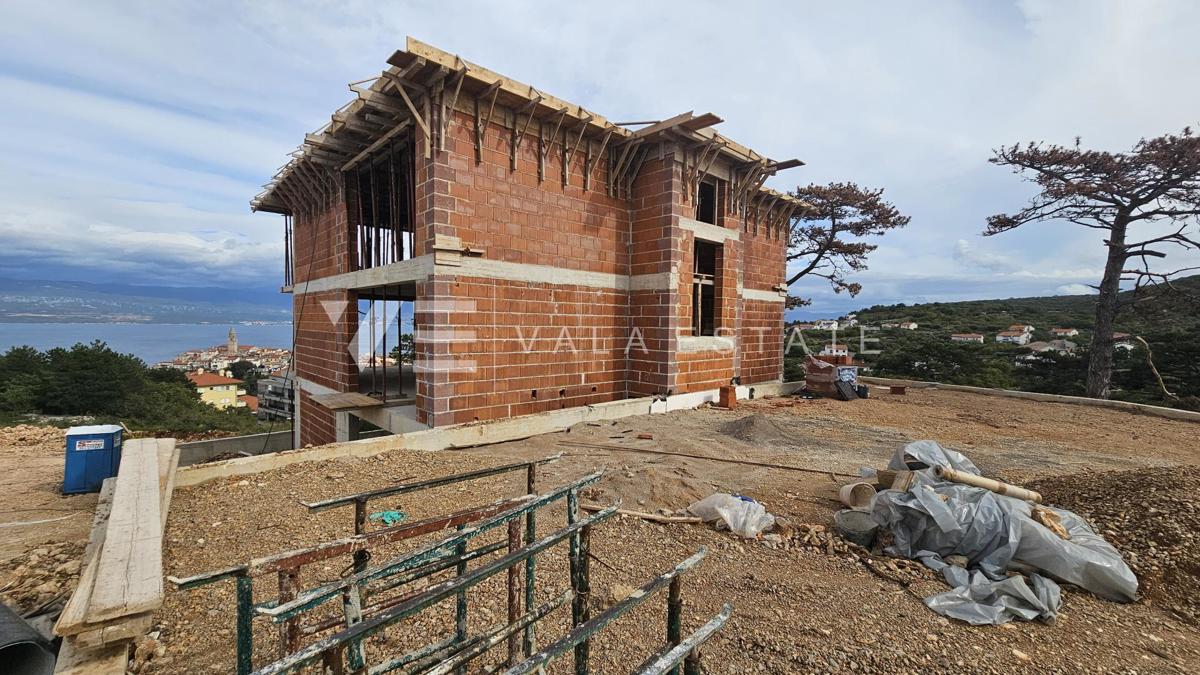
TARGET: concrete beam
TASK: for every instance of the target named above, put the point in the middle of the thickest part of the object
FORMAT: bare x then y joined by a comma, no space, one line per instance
764,296
414,269
709,232
475,433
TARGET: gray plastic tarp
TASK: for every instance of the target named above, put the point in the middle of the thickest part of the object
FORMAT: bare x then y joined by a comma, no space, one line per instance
936,518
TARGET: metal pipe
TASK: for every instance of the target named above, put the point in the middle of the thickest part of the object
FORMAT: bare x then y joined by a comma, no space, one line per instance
514,593
529,640
674,617
688,649
460,604
245,624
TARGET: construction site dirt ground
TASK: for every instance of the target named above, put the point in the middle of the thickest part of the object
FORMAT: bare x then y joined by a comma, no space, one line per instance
798,607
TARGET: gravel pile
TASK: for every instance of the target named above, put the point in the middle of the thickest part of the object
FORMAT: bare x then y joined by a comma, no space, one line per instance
40,577
28,439
1151,516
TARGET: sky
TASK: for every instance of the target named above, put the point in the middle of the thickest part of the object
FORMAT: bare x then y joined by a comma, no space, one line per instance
135,133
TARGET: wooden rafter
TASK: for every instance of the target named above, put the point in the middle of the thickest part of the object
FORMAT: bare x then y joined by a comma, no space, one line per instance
544,145
589,161
515,141
370,149
461,74
568,150
483,121
694,171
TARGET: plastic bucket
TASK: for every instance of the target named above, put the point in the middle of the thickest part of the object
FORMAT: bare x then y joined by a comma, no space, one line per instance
856,526
857,495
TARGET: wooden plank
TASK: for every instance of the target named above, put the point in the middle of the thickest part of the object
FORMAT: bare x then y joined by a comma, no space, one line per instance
346,400
72,618
75,660
120,630
168,465
516,89
129,575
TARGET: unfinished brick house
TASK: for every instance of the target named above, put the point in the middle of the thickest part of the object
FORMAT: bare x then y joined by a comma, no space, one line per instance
547,257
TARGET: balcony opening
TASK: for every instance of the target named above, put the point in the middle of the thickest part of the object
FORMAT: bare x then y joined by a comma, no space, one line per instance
706,202
381,193
705,259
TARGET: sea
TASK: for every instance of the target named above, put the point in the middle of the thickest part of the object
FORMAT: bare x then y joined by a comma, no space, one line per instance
151,342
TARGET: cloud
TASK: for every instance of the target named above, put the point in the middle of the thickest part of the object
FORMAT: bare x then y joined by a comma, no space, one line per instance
140,132
1075,289
970,257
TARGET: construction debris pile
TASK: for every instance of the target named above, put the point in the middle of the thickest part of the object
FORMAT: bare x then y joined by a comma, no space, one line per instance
1151,515
28,439
38,579
1003,556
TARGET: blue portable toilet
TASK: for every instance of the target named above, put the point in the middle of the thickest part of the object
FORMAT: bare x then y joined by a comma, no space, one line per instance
93,454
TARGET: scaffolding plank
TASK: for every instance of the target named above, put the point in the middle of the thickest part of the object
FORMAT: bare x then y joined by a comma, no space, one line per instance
129,575
346,400
72,619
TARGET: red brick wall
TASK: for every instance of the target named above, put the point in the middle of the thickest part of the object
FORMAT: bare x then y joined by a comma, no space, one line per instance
484,346
517,218
654,251
498,342
322,242
316,422
761,348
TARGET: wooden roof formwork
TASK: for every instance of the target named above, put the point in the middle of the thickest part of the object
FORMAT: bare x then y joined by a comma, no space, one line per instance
422,84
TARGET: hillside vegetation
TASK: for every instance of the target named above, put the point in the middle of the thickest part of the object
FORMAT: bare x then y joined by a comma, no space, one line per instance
1153,312
1166,321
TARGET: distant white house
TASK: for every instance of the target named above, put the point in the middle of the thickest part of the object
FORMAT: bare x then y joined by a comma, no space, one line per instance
967,337
1021,328
848,321
1064,332
908,325
826,324
835,350
1013,337
1059,346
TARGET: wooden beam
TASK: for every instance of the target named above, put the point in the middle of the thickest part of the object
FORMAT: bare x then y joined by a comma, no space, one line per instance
568,155
129,576
370,149
663,125
517,136
483,121
513,88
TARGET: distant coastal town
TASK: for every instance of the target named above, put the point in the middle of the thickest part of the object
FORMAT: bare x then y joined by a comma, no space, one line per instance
234,375
221,357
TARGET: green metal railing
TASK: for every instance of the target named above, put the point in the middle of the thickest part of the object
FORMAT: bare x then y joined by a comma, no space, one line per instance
330,651
366,607
432,559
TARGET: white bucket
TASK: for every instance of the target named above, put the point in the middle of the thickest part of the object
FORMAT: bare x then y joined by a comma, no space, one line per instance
857,495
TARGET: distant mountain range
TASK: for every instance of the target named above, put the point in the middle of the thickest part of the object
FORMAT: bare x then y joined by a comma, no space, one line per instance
1154,312
36,301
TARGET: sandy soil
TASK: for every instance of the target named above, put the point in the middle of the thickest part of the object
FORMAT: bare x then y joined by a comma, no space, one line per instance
797,608
33,510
